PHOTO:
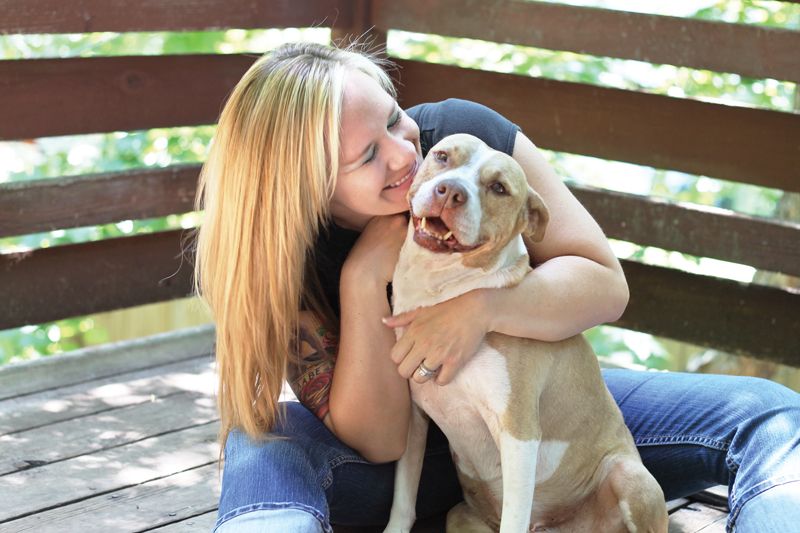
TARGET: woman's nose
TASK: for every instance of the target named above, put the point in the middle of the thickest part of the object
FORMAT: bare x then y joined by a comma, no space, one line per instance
403,152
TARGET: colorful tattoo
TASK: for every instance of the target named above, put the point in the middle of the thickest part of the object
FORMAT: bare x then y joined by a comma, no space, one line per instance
311,374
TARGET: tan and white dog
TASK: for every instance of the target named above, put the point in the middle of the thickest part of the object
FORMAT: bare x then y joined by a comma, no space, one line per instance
537,439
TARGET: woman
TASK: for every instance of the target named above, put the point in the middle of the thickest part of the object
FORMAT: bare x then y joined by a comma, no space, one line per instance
304,197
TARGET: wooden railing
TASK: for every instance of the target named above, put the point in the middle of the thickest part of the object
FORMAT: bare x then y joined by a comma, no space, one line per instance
46,97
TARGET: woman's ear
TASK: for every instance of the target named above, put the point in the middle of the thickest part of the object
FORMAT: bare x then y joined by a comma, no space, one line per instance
538,216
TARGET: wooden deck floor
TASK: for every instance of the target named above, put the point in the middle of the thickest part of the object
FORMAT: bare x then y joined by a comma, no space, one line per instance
123,438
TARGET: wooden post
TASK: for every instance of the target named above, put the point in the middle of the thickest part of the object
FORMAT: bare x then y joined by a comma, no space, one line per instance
360,29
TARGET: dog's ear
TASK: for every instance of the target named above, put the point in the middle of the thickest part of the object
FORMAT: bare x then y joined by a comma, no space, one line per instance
537,215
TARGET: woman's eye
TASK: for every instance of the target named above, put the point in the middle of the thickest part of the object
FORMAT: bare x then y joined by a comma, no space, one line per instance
371,154
396,119
498,188
440,156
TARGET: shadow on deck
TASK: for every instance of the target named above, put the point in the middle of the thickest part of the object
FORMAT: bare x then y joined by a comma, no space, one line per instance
123,438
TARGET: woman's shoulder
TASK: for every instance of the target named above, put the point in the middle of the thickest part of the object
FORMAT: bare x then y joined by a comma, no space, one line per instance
437,120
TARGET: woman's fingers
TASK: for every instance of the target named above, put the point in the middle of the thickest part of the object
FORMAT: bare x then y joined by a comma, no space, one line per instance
399,321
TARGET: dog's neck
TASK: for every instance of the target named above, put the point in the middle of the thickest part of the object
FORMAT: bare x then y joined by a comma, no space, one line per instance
424,278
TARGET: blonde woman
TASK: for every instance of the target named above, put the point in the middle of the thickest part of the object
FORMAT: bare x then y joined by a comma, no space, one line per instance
304,197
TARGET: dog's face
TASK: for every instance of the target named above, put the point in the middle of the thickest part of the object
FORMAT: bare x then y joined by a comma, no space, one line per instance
472,199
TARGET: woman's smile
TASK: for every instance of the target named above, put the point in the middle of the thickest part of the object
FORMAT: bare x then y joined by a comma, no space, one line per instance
406,180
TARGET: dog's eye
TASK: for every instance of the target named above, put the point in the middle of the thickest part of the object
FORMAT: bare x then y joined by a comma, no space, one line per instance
497,188
440,156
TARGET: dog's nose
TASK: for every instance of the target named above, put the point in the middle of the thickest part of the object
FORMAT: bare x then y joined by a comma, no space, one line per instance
451,193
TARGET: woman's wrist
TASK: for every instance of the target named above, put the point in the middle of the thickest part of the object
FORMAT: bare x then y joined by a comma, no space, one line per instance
484,305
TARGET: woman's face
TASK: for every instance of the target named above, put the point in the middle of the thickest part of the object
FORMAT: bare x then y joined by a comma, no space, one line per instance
380,154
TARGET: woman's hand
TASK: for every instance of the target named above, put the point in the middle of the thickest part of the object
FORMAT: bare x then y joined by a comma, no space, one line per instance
376,251
443,336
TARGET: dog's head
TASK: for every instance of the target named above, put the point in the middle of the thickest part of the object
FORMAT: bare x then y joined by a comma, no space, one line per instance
472,199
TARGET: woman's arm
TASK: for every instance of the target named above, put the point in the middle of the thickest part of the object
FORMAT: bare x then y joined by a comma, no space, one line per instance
369,401
578,283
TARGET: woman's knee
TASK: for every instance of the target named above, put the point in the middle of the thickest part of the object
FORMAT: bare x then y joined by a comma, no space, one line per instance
285,466
767,409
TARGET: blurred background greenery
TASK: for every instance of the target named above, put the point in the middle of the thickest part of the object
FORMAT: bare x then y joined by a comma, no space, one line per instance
85,154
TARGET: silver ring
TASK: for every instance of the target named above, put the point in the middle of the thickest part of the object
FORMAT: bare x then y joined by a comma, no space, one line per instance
426,372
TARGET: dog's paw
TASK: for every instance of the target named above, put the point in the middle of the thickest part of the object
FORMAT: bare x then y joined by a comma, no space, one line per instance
394,527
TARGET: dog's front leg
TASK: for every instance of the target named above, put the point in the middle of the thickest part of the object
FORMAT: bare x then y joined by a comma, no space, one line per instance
407,474
518,460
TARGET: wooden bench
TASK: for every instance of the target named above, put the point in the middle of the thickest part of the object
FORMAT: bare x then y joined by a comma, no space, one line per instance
122,437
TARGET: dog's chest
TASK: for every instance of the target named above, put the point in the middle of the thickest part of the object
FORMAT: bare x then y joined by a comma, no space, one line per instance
482,383
469,409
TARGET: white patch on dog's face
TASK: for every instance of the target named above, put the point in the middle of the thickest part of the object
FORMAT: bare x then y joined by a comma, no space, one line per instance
469,198
466,224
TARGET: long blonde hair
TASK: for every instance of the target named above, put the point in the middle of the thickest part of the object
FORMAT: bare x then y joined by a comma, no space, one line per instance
265,189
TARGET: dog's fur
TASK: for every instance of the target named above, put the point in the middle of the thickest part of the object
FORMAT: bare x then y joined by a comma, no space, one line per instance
536,437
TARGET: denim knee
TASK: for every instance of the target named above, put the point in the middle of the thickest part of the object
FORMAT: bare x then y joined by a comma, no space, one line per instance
280,472
765,449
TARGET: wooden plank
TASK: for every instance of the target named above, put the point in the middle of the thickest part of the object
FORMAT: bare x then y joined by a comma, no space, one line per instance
695,518
190,496
691,136
109,429
52,283
55,16
747,49
106,471
102,94
106,94
105,360
23,413
45,205
747,319
762,322
27,207
703,231
203,522
361,29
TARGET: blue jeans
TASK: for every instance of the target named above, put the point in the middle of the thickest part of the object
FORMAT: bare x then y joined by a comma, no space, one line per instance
692,431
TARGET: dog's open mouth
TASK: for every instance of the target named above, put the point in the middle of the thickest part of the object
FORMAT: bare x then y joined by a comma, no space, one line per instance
432,233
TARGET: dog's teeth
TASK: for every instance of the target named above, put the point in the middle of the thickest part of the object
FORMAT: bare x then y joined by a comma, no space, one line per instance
447,235
422,223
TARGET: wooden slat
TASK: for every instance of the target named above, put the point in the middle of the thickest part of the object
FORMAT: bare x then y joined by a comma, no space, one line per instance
203,522
134,388
114,93
27,207
57,16
121,467
109,429
138,508
695,518
106,94
78,279
750,50
44,205
754,320
63,281
109,359
696,137
707,232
